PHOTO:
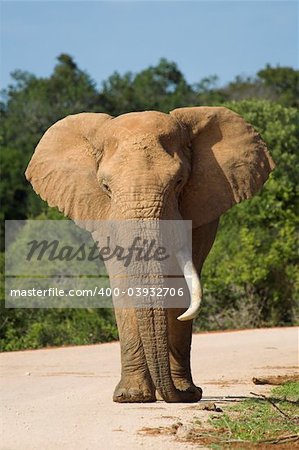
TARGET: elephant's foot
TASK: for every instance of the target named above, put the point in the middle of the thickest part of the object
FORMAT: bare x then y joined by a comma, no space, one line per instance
186,386
188,392
134,390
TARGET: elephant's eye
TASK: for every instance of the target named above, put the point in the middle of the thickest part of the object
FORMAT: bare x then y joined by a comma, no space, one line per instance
106,188
179,182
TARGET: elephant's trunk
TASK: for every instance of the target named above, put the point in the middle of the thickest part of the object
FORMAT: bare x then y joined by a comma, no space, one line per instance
153,328
152,324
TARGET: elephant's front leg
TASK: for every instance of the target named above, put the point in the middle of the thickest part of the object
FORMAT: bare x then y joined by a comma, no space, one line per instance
180,333
135,384
179,336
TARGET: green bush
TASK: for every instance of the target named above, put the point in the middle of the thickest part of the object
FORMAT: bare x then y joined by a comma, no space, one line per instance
33,328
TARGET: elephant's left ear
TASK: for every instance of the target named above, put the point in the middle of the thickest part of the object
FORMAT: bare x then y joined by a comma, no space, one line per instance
230,162
63,169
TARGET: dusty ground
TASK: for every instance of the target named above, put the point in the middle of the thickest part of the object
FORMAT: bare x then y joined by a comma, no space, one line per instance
61,399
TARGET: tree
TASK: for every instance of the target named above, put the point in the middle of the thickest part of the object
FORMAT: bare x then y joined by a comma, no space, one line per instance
208,92
162,87
283,82
117,94
279,84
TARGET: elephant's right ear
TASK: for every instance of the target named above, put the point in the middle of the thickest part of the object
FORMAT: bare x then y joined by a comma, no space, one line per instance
230,162
63,168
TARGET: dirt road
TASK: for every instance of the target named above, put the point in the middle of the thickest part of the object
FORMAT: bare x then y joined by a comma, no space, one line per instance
61,399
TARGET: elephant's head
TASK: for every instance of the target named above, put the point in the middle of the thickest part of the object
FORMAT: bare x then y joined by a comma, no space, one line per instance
194,163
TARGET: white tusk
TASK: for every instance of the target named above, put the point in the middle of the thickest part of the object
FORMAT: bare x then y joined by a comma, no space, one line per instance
193,282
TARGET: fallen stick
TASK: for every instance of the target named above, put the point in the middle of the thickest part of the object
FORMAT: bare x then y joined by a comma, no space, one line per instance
278,440
276,380
262,396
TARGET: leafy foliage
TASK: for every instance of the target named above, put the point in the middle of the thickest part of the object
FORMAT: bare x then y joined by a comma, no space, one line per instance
283,82
162,88
278,84
36,328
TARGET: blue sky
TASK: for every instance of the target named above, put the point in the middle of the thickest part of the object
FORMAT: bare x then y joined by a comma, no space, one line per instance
226,38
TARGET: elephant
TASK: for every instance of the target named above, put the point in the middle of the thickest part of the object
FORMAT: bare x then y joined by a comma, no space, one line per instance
193,164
